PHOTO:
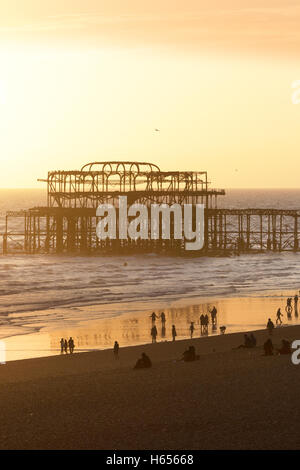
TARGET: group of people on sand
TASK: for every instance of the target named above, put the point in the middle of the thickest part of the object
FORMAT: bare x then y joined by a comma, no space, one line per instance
67,344
204,322
249,341
189,355
284,349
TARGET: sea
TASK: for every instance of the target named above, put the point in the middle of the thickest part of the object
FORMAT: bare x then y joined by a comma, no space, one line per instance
45,296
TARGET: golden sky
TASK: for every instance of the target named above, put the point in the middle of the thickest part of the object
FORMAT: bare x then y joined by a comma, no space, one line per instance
86,80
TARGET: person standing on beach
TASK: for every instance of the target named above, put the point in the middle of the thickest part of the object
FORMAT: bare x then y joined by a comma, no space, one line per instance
154,333
174,333
71,345
201,323
270,326
66,346
192,328
278,315
163,318
62,345
116,350
213,313
153,317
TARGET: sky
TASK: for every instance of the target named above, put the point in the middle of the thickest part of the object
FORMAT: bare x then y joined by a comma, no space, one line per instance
91,80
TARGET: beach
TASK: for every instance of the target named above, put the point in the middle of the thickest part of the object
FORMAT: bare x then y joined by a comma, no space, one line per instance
229,399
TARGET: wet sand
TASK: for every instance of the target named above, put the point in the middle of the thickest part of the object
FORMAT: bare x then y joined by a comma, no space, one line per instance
97,327
230,398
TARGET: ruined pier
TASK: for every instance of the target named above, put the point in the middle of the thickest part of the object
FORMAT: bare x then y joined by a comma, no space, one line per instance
68,223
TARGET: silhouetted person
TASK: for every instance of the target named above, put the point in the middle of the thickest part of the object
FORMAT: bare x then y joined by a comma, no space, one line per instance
201,323
189,355
62,345
143,363
163,318
247,342
213,314
153,333
192,328
153,317
116,349
270,326
174,333
296,298
66,346
71,345
285,347
206,322
278,317
222,329
163,331
296,301
268,347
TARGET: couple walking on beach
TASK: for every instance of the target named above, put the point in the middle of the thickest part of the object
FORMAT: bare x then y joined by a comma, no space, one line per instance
64,345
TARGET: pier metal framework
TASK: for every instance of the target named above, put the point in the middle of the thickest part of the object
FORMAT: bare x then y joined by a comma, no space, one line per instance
68,222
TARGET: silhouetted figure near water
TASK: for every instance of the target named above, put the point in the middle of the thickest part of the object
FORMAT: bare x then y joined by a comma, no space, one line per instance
202,321
116,349
213,314
62,345
289,307
268,347
174,333
296,301
144,362
192,328
278,317
163,318
222,330
206,322
71,345
296,298
153,317
270,326
163,331
66,346
154,333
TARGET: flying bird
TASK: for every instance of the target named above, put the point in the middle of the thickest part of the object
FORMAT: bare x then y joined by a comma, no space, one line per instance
157,130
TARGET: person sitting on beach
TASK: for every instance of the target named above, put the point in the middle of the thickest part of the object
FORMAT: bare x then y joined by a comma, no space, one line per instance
247,342
154,333
222,329
285,347
253,340
268,347
270,326
116,349
190,355
144,362
71,345
62,345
